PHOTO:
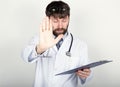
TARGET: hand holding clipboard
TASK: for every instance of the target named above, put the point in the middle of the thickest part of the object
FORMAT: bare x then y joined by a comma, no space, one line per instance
91,65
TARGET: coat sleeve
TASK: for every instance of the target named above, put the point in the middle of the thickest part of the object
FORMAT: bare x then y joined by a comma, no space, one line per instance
29,53
84,60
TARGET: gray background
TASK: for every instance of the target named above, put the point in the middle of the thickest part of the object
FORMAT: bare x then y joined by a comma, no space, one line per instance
95,21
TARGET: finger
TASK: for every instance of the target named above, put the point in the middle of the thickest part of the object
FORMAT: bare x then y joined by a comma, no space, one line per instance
84,72
80,71
47,23
41,34
50,25
58,38
43,25
87,70
79,74
41,28
83,75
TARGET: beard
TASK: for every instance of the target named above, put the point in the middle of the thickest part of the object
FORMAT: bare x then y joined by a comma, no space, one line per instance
59,31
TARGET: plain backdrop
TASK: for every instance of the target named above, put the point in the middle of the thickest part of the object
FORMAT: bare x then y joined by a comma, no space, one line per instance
95,21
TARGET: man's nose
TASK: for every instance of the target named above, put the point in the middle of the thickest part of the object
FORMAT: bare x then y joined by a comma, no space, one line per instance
60,25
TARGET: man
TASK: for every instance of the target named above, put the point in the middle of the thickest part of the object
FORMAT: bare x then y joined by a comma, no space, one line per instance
51,58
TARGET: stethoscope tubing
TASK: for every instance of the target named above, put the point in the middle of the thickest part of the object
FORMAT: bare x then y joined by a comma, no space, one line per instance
68,53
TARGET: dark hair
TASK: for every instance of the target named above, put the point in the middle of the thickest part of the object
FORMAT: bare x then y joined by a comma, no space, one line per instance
58,9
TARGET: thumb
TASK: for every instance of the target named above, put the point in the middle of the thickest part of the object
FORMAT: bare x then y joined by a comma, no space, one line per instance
58,38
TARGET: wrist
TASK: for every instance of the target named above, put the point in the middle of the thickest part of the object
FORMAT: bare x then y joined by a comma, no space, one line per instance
39,50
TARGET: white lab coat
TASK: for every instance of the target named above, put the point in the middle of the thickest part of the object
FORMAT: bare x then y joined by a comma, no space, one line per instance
54,61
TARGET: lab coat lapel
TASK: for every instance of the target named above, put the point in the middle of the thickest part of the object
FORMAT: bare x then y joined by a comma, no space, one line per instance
63,62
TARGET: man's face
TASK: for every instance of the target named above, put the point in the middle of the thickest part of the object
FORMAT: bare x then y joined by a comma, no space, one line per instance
60,25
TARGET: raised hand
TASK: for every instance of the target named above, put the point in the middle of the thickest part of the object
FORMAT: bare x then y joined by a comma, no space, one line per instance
46,36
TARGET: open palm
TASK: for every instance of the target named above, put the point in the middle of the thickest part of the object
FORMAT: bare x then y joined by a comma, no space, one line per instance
46,35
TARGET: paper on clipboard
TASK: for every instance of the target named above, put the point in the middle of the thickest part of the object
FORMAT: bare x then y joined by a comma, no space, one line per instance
91,65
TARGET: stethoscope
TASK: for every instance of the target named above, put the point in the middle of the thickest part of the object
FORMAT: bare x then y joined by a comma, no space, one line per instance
68,53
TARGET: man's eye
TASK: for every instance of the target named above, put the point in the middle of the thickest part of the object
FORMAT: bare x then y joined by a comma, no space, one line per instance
55,21
64,20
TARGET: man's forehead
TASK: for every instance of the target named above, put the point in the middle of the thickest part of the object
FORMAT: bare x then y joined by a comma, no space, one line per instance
54,17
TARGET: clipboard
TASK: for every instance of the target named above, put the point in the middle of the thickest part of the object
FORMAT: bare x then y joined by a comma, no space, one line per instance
90,65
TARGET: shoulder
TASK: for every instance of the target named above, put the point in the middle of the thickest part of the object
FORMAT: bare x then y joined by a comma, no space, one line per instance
78,41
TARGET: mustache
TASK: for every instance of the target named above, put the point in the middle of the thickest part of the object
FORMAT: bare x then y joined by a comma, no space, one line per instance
59,29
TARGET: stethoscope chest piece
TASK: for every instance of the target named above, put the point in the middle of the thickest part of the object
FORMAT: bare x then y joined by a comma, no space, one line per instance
68,53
